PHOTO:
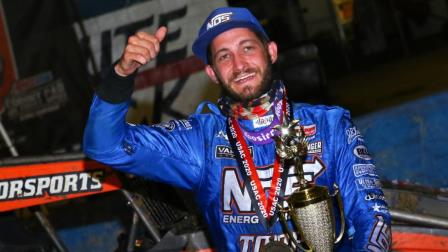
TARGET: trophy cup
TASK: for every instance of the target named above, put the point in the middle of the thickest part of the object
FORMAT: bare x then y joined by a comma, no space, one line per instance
310,206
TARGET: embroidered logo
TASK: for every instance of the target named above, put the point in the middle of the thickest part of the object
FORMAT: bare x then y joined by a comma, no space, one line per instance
218,19
263,121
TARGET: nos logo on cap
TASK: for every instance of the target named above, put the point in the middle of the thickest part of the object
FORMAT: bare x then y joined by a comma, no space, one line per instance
220,18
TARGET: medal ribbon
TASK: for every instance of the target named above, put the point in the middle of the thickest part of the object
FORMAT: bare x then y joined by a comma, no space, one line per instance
265,207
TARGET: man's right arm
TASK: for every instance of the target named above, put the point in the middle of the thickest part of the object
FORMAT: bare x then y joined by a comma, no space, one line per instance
170,156
109,106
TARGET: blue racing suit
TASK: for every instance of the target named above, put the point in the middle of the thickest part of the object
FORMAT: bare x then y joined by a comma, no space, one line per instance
195,154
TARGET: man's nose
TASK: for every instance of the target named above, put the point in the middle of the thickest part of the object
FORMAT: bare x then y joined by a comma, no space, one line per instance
239,62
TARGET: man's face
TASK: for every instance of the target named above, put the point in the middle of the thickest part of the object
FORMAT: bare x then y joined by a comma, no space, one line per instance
241,64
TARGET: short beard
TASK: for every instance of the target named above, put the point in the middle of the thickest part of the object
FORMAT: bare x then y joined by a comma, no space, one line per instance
265,86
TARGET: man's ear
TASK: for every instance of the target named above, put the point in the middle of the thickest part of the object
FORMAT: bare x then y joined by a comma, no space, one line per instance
272,50
211,73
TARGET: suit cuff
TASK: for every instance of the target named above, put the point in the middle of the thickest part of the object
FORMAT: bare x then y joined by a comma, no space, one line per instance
115,88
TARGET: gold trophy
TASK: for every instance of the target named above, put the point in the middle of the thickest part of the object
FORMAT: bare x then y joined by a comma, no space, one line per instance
310,206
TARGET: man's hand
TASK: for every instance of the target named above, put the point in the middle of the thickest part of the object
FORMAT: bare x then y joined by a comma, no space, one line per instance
140,49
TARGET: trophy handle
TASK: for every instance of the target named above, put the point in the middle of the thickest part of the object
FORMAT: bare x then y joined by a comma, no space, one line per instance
281,214
341,211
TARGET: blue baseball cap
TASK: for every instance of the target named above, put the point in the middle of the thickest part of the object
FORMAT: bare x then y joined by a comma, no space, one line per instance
221,20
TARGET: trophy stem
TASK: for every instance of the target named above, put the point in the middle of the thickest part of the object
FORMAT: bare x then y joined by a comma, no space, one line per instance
299,170
297,164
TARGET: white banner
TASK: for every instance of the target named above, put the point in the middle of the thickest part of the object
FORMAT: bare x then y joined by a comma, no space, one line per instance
108,35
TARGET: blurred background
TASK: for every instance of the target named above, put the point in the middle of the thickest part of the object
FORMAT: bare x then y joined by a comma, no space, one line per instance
384,60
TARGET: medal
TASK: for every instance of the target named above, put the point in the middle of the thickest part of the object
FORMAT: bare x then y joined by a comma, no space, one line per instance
265,207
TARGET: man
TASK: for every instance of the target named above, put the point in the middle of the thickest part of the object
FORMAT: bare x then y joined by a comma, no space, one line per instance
237,190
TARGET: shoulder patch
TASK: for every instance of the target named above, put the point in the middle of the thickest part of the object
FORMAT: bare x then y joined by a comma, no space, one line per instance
361,152
175,124
352,134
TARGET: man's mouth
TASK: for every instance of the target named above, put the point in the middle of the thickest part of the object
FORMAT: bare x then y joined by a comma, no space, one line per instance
242,78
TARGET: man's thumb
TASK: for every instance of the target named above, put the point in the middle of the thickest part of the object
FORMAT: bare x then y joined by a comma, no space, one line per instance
161,33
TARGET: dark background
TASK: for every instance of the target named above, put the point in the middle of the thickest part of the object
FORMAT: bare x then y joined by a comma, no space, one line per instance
369,69
383,61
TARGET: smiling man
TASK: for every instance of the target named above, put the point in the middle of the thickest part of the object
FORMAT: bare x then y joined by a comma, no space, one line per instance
227,157
243,67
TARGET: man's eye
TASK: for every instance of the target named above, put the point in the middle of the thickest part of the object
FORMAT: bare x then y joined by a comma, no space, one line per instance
248,48
223,57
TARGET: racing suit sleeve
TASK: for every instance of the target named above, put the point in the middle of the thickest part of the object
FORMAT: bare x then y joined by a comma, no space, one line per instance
170,153
366,211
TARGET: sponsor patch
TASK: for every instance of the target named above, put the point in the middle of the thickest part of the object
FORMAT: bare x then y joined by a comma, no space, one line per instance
263,121
235,198
218,19
362,152
352,134
314,147
374,196
367,183
380,238
364,169
380,208
313,169
223,151
260,137
240,219
173,124
255,243
309,130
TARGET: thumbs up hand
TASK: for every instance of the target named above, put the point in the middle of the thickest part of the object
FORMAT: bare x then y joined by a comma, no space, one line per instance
141,48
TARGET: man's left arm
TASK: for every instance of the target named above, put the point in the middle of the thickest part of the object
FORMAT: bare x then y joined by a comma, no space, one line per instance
366,210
